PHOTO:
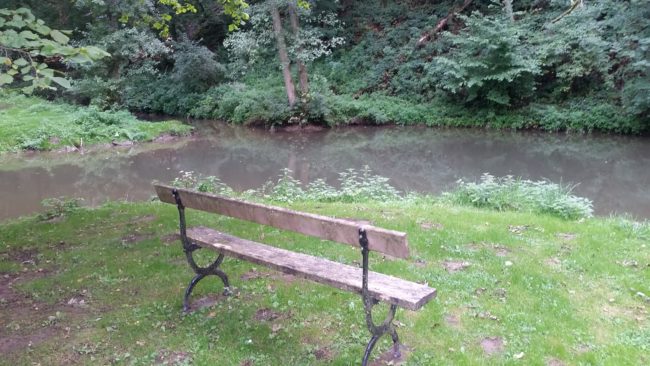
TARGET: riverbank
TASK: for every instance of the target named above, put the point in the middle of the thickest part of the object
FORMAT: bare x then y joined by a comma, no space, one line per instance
31,123
104,286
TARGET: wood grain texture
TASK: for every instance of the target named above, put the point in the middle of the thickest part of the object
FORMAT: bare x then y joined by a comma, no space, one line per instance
393,243
393,290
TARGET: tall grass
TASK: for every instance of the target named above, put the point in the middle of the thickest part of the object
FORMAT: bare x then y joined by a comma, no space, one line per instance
501,194
516,194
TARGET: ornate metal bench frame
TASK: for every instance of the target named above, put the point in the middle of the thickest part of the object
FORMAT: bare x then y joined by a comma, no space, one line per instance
376,331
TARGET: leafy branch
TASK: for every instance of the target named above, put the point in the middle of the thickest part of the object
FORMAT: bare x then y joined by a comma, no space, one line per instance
28,47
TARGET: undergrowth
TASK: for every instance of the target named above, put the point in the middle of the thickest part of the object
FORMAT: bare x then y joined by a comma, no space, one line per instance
516,194
501,194
30,123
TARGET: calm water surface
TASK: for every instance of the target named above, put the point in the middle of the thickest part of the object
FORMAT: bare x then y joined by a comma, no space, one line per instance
612,171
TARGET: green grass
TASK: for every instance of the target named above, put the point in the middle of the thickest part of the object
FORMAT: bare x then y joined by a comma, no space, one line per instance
551,289
30,123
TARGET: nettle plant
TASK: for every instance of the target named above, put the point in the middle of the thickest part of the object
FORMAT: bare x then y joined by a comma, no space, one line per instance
28,48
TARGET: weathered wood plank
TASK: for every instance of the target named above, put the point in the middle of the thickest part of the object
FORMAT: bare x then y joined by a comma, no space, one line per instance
390,242
393,290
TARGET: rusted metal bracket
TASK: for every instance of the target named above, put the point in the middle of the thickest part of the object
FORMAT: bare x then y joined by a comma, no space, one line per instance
377,331
188,248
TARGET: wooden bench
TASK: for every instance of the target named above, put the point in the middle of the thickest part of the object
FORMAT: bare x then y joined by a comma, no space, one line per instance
373,287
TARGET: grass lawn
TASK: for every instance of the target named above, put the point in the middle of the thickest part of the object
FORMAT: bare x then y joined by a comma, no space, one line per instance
105,286
30,123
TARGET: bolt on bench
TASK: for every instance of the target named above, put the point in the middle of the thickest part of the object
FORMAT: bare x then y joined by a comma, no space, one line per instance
373,287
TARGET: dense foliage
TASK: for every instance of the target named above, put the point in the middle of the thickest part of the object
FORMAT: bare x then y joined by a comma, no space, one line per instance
524,64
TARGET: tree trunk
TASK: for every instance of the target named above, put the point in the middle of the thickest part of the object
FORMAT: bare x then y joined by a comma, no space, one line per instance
507,6
284,57
302,69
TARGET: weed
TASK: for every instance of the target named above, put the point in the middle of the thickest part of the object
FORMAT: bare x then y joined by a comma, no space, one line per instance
516,194
58,207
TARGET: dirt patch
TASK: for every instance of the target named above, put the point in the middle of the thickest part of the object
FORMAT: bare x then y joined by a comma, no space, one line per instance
24,256
145,218
455,266
254,274
501,293
431,225
324,354
500,250
554,262
133,238
18,343
453,321
170,358
166,138
492,345
266,314
170,238
29,322
391,358
205,302
518,229
566,236
554,362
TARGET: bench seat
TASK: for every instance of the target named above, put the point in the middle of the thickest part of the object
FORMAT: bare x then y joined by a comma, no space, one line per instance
393,290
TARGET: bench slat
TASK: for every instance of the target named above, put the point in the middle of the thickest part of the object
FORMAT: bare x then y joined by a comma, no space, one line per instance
393,290
390,242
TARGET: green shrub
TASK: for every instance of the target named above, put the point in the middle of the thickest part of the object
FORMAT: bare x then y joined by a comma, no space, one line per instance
99,125
515,194
488,63
242,104
58,207
355,186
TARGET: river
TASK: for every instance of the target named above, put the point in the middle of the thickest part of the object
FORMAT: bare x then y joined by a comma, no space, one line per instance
613,171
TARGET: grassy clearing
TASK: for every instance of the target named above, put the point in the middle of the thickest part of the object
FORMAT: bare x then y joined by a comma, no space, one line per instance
30,123
104,286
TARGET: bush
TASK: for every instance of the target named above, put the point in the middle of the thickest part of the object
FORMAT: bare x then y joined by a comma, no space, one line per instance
356,186
58,207
240,104
510,194
99,125
488,63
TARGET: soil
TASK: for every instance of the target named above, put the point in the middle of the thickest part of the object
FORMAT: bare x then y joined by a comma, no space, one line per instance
170,358
19,310
431,225
324,354
254,274
554,362
133,238
492,345
455,266
389,357
266,314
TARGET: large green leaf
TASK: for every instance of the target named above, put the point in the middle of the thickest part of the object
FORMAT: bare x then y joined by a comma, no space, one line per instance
62,81
59,37
21,62
6,79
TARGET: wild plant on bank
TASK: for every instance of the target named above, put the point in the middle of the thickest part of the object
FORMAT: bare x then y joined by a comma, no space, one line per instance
516,194
501,194
355,186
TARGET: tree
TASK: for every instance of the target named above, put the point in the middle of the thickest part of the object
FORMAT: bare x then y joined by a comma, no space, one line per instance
28,49
304,45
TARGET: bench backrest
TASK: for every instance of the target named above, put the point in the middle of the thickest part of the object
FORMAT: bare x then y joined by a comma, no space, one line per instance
389,242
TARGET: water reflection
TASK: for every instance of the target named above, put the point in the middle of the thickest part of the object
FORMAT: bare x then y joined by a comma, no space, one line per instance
612,171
